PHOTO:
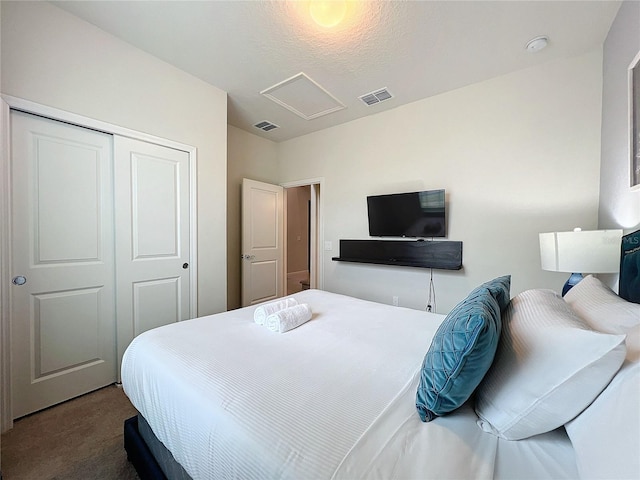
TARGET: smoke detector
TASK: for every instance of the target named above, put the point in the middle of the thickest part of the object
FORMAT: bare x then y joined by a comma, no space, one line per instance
536,44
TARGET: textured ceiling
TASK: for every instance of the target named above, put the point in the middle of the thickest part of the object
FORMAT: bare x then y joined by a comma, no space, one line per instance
414,48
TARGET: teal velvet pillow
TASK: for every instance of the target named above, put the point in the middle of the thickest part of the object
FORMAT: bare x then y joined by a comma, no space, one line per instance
500,289
461,352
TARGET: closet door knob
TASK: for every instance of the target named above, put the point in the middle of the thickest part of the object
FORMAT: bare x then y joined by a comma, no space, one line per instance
185,265
19,280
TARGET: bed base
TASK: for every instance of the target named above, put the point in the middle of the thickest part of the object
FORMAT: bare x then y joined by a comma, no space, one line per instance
138,452
151,459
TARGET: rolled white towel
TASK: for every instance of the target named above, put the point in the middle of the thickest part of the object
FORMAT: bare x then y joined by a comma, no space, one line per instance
262,312
289,318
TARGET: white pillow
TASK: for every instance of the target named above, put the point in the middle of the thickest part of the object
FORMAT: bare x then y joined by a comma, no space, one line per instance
606,436
549,366
601,308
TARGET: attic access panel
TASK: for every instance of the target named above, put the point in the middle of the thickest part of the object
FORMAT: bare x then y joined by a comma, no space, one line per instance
304,97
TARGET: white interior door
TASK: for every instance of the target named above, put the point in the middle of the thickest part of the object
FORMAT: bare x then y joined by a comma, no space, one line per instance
262,237
62,318
152,237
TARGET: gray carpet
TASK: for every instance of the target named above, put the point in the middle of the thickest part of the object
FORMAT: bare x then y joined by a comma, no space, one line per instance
78,439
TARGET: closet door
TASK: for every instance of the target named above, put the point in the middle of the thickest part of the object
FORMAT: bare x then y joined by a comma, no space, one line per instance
63,314
152,237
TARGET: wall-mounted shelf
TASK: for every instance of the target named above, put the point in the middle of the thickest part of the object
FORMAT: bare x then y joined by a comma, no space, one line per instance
445,255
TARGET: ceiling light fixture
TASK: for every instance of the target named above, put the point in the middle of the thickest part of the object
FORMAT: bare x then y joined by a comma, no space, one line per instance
536,44
328,13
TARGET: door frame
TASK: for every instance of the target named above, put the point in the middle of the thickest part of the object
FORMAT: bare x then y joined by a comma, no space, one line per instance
8,103
316,222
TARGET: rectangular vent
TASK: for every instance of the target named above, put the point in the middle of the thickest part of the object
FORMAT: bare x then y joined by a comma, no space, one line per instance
266,126
376,97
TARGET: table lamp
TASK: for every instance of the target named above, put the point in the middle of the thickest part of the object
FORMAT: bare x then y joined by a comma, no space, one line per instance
578,252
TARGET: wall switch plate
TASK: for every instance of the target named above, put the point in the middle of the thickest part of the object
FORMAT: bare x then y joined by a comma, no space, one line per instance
395,300
328,245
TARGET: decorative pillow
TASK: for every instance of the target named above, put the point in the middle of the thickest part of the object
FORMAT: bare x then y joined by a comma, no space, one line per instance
630,267
601,308
549,366
500,289
460,354
606,436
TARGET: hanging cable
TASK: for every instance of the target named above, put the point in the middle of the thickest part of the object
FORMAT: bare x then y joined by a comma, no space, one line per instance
431,301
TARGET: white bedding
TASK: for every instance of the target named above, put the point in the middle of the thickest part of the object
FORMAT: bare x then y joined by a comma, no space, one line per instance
334,398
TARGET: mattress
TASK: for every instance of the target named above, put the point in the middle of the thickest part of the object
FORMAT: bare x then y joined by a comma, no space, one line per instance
333,398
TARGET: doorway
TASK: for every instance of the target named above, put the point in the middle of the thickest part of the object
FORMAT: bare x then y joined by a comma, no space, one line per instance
298,252
303,256
263,232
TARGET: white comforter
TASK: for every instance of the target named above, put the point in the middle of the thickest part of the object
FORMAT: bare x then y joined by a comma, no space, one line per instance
334,398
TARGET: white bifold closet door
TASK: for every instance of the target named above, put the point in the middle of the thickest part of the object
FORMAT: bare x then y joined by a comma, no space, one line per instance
100,244
152,237
63,317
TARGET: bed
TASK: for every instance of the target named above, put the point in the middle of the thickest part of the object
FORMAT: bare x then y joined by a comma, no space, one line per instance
344,395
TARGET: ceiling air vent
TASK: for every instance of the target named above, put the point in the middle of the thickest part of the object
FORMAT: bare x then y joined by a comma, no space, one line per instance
376,97
266,126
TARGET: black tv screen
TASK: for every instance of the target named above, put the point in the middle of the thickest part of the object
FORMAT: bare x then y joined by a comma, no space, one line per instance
415,214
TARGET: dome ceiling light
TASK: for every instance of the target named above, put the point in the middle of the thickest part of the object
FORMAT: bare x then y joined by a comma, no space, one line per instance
328,13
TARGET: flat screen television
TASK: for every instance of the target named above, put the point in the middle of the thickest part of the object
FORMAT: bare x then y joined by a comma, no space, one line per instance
415,214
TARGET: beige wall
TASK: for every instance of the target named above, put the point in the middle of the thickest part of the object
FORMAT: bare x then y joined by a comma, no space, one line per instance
249,156
55,59
518,155
619,206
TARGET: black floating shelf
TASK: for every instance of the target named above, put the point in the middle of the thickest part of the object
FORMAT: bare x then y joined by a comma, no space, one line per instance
446,255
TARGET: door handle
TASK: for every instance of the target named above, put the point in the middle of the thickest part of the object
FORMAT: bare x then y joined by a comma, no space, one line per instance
185,265
248,257
19,280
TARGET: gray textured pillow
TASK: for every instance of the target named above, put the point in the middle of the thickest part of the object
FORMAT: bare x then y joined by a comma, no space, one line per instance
601,308
548,367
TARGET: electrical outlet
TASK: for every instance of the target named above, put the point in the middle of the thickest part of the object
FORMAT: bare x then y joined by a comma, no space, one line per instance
395,300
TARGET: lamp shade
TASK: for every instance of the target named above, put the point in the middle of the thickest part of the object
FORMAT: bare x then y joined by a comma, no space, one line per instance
592,251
